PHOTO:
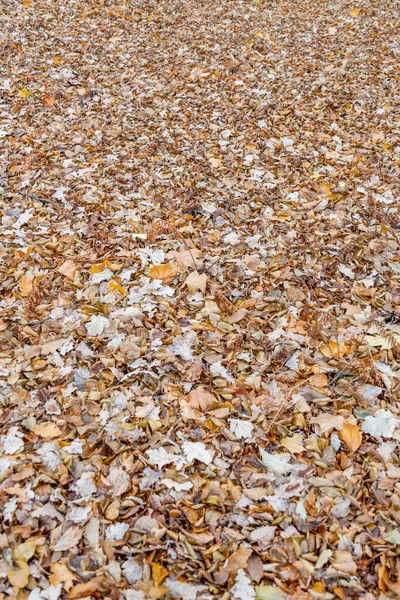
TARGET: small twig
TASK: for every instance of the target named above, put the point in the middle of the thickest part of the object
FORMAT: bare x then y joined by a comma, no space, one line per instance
35,197
282,406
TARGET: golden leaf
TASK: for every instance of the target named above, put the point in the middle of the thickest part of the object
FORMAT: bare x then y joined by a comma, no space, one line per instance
25,285
354,12
68,269
23,552
351,436
159,573
293,443
19,577
24,93
47,430
61,574
104,265
115,287
162,271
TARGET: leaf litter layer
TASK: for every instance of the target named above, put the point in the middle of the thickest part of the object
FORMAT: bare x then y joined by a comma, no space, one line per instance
200,300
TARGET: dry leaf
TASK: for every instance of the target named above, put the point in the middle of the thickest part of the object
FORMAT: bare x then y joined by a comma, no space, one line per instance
48,101
196,282
351,436
68,269
159,573
201,398
293,443
47,430
61,574
68,540
25,285
18,578
162,272
24,93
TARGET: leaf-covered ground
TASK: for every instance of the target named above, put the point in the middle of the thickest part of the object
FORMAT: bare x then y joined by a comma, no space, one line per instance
200,299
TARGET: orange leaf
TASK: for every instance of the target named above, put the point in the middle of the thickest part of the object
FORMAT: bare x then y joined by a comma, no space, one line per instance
162,271
159,573
25,285
48,101
351,436
354,12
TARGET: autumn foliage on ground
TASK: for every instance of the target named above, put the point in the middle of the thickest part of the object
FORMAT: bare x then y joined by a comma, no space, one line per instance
200,300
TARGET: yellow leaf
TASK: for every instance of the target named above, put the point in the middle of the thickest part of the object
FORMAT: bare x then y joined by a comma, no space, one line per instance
19,577
115,287
104,265
24,93
23,552
47,430
351,436
354,12
335,350
159,573
68,269
162,271
25,285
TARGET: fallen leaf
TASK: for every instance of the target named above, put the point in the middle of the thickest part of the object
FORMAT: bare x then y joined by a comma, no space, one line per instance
19,577
24,93
159,573
47,430
48,101
201,398
68,269
61,574
196,282
343,561
68,540
162,272
25,285
351,436
293,443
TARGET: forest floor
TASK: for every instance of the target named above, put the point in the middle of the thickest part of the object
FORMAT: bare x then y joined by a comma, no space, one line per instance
200,286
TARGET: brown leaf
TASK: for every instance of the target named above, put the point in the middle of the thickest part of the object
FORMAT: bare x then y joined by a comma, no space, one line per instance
351,436
343,561
255,568
238,560
201,398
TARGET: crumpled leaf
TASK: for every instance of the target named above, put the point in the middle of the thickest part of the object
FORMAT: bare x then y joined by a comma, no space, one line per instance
68,540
